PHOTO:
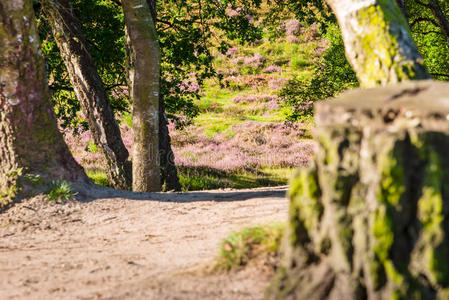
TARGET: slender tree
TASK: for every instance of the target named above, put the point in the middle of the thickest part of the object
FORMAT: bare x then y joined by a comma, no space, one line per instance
32,150
169,173
377,41
144,77
89,90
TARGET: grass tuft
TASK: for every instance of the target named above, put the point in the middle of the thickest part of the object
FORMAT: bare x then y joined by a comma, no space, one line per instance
60,192
98,176
240,247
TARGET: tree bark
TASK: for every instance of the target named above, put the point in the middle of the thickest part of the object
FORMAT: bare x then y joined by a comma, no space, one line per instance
144,76
90,91
169,173
32,150
377,41
370,219
441,19
401,4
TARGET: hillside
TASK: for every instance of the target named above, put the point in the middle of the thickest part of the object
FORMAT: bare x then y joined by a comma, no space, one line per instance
241,137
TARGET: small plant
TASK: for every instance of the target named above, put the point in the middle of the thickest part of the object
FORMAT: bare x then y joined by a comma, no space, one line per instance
240,247
91,147
60,192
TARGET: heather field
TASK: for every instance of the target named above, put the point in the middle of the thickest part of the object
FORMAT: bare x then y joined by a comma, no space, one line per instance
241,137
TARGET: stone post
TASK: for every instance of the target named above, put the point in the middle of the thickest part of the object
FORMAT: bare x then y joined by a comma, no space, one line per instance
369,219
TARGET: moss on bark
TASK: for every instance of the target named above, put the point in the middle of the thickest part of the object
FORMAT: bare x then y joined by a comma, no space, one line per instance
370,218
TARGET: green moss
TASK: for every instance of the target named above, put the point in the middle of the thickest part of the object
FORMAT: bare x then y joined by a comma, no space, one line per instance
392,181
431,216
305,193
331,153
382,23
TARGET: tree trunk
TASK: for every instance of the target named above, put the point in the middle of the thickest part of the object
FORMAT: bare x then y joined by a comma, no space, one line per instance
401,4
441,19
90,91
377,41
169,173
32,150
144,76
370,218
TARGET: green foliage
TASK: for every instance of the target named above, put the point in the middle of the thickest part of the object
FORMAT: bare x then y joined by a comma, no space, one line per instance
429,38
331,75
91,147
60,192
185,31
240,247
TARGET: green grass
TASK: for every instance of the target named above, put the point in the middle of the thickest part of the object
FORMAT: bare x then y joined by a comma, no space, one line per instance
98,176
239,248
193,179
60,192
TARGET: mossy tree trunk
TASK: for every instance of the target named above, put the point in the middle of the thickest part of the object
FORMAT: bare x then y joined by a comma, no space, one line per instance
89,90
144,76
32,150
369,219
377,41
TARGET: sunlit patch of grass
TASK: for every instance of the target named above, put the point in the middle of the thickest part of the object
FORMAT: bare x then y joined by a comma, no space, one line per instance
239,248
216,128
204,178
98,176
276,117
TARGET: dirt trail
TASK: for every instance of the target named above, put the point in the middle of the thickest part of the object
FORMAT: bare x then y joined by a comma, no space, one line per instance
131,246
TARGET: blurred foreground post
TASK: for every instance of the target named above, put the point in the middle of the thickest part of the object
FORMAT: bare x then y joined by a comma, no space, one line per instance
32,151
369,219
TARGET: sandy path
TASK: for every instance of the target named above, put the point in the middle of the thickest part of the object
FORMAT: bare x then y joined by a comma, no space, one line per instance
123,245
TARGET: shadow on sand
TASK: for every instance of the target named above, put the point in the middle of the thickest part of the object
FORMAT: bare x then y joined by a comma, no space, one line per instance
88,193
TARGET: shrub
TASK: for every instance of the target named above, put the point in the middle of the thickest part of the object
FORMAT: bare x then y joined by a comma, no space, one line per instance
60,192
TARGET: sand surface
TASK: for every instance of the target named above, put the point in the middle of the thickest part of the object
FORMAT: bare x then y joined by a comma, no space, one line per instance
122,245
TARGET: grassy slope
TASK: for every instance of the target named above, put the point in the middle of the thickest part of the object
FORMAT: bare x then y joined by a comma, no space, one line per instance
220,115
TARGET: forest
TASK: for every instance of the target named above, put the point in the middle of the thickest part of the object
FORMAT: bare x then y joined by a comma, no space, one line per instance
224,149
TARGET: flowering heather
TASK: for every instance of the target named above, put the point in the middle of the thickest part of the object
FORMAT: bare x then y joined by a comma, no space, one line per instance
253,145
259,103
248,146
312,32
255,60
238,60
272,69
232,51
292,27
247,99
277,83
292,39
233,12
190,87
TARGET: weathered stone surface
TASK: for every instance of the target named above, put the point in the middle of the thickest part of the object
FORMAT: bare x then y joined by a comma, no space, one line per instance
369,219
